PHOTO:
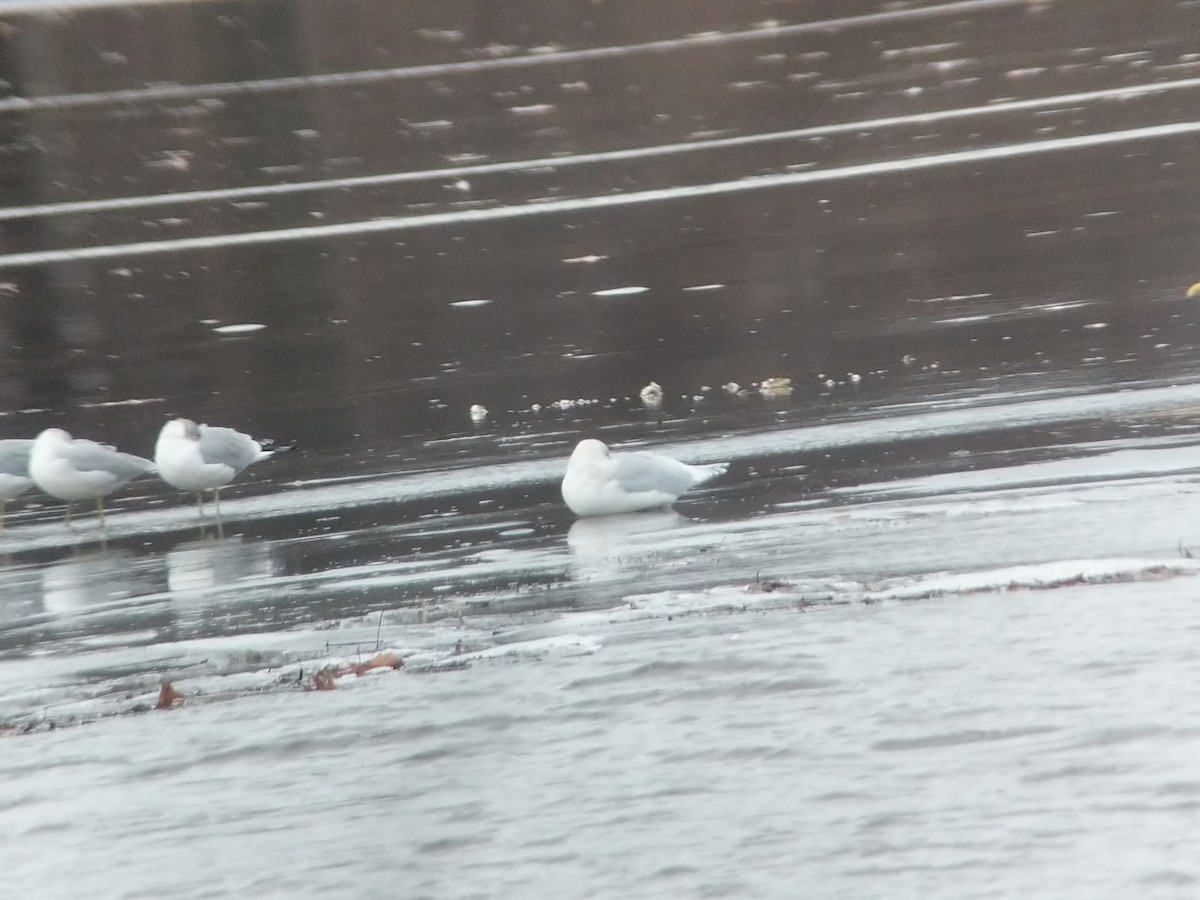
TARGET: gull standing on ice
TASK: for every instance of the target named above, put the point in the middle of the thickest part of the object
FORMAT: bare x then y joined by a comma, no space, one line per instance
14,471
601,483
76,469
202,458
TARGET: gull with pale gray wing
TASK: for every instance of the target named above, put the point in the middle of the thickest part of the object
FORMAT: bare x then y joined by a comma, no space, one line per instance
602,483
202,458
74,469
14,471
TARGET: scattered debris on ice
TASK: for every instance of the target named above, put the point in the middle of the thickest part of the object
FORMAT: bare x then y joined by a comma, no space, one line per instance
652,395
775,387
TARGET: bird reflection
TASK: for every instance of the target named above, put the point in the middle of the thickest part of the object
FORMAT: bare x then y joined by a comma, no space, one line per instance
20,593
201,566
91,578
605,546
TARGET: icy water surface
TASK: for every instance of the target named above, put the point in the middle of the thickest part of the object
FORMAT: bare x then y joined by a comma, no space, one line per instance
1035,742
933,634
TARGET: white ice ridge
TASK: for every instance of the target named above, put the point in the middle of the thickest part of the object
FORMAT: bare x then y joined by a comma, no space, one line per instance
1039,576
1115,464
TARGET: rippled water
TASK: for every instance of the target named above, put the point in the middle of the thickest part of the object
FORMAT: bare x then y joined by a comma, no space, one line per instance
931,636
983,746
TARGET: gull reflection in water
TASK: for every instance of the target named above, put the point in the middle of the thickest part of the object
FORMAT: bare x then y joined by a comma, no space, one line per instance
20,594
605,546
201,567
92,578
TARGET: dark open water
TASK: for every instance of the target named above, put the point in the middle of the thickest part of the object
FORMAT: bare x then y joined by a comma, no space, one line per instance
964,230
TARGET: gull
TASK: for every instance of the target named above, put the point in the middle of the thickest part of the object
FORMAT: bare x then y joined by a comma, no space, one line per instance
202,458
601,483
14,471
74,469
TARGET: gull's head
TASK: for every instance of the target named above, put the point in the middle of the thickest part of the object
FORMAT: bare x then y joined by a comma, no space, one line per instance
180,430
1194,290
51,437
589,452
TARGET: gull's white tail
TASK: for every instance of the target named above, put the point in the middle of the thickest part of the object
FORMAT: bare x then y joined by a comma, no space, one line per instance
712,470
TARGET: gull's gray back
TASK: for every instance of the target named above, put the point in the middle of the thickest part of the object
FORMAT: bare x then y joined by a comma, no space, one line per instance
227,447
14,456
637,472
90,456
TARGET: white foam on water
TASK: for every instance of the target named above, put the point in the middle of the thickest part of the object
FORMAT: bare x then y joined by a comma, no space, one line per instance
621,291
550,205
243,328
501,56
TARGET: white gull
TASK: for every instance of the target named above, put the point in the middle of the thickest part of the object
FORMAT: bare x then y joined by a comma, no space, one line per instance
601,483
202,458
14,471
76,469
